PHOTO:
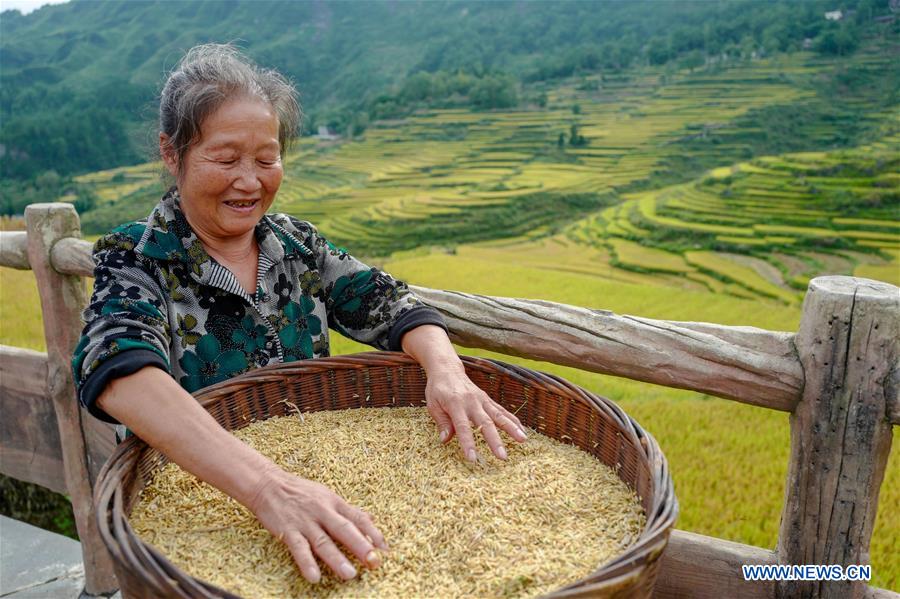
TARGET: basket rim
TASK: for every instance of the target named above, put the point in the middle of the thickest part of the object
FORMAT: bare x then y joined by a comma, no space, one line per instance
128,549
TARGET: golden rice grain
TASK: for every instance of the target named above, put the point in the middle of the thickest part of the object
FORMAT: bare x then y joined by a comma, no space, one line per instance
548,516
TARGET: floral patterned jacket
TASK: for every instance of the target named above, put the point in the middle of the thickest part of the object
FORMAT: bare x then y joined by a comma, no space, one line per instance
159,299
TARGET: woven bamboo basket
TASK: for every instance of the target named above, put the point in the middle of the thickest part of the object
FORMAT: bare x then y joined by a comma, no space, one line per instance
543,402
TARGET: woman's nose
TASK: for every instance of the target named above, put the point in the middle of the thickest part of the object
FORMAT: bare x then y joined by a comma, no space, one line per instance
247,179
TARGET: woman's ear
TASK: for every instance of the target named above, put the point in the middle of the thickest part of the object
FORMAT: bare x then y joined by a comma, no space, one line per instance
169,156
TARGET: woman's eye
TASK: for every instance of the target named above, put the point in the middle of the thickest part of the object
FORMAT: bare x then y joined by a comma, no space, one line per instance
226,160
269,162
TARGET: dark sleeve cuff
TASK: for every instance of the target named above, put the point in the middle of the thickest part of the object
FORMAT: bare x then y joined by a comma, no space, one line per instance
412,319
123,364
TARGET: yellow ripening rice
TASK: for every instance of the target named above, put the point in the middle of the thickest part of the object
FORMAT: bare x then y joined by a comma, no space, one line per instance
548,516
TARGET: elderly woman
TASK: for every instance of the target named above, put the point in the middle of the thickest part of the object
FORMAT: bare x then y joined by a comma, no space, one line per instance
210,285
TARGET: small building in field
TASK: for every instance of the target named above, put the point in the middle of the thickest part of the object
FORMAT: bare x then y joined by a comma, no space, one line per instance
327,133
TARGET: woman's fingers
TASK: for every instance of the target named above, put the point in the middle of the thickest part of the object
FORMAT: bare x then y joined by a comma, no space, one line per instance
364,522
350,536
302,554
310,519
506,413
463,428
486,424
443,421
505,420
486,416
323,546
457,405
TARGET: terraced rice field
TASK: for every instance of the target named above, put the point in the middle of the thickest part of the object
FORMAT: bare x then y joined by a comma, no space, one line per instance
768,225
451,176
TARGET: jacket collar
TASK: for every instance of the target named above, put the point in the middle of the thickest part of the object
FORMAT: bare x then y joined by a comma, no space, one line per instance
169,237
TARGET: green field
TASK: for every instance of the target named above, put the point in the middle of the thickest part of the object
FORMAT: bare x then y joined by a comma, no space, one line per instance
678,207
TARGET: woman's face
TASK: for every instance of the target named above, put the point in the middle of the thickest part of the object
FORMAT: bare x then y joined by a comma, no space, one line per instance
229,177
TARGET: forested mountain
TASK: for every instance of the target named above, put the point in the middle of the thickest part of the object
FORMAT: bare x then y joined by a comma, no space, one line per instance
79,79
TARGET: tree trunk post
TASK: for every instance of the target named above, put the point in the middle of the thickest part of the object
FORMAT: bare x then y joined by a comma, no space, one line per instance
840,431
63,297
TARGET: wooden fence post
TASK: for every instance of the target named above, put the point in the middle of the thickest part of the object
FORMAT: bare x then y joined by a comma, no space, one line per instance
63,297
840,430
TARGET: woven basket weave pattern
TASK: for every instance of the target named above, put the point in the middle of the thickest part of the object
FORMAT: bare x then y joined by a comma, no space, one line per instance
543,402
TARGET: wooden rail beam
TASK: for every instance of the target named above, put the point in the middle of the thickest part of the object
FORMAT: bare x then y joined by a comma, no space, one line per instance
849,345
72,256
746,364
695,565
14,249
62,299
29,436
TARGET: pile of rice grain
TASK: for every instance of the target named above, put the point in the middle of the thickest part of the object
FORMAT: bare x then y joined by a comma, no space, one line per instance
548,516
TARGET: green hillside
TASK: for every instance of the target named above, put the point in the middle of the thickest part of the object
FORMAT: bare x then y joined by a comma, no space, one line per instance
79,78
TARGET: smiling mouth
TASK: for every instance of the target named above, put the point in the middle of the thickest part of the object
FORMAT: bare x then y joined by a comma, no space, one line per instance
241,203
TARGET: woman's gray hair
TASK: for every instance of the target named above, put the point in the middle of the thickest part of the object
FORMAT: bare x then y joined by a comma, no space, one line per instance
205,78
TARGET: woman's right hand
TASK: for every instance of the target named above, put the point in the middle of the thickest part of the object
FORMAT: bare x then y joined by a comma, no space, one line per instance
305,515
309,517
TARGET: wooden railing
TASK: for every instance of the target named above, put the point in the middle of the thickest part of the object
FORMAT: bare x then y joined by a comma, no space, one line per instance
838,378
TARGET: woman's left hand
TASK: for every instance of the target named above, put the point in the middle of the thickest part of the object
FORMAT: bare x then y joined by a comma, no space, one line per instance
455,403
459,407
